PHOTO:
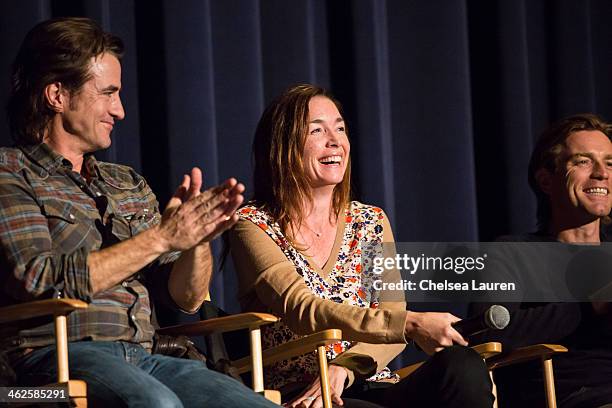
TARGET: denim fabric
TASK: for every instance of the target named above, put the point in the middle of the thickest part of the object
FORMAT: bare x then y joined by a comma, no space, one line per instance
121,374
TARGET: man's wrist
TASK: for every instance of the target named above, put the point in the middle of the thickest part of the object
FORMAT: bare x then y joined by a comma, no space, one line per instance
158,243
200,253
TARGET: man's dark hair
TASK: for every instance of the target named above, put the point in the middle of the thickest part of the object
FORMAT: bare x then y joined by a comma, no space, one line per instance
548,154
57,50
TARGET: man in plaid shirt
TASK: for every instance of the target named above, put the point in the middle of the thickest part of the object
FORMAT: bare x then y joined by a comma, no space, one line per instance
75,227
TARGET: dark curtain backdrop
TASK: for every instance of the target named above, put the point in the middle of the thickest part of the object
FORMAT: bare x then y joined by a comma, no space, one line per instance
443,99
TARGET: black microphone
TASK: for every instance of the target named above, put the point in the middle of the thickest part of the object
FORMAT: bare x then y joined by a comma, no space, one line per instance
496,317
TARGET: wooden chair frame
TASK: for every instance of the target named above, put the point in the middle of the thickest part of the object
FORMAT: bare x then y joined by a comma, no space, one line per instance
543,352
59,308
494,358
258,359
303,345
77,389
250,321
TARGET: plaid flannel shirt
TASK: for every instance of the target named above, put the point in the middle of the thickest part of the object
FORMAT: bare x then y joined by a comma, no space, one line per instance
51,218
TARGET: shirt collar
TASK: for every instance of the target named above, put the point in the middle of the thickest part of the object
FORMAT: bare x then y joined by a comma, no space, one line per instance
90,166
50,160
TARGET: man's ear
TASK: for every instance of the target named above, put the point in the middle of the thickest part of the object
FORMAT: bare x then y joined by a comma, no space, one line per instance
544,178
56,97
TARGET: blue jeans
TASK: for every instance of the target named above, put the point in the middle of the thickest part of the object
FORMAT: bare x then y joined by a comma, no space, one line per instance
121,374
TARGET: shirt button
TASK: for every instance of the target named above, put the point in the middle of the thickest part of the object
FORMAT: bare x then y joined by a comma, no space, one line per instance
71,216
133,317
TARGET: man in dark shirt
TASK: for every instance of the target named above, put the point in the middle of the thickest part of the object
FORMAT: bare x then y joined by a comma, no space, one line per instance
74,227
571,174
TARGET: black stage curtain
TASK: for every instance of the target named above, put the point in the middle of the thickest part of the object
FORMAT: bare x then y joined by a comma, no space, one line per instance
443,99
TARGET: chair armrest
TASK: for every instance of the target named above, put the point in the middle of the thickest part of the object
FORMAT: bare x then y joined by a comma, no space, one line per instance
486,351
220,324
520,355
59,308
303,345
39,308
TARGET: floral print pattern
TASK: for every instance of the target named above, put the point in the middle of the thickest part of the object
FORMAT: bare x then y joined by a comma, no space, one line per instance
350,282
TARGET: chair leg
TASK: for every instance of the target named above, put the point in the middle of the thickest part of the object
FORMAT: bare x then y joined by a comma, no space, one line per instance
493,389
549,382
61,344
77,389
80,402
256,359
272,396
325,391
257,364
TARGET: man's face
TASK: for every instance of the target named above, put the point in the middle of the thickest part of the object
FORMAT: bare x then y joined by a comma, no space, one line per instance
92,111
581,187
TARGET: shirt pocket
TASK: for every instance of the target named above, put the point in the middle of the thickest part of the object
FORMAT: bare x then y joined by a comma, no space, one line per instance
134,204
142,220
62,218
127,224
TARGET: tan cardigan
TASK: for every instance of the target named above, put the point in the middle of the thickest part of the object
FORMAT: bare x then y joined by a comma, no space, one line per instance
268,282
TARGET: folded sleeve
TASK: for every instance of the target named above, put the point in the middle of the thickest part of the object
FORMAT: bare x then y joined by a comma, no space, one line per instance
31,267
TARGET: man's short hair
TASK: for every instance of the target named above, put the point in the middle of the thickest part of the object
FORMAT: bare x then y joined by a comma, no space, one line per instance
548,154
57,50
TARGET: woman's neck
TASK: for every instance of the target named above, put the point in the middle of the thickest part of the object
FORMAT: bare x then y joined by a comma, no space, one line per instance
317,230
319,211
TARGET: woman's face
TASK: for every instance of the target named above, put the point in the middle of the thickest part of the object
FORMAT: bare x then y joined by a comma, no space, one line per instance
326,150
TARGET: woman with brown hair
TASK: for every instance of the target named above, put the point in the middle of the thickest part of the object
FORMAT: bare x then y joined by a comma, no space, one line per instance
301,249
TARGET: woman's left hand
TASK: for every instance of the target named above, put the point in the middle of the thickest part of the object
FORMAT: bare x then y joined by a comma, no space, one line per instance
312,396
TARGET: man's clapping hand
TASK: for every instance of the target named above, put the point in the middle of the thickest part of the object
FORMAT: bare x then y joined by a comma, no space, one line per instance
192,217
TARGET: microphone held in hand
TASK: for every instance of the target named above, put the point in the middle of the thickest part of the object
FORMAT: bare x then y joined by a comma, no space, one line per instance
496,317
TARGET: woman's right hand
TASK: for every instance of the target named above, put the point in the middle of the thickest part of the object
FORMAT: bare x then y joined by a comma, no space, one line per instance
432,331
312,396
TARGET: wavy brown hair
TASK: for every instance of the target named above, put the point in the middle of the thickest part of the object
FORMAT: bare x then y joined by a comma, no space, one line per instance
548,155
57,50
280,182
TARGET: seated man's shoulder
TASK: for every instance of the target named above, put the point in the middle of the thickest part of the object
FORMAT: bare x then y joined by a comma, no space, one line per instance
120,176
11,159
